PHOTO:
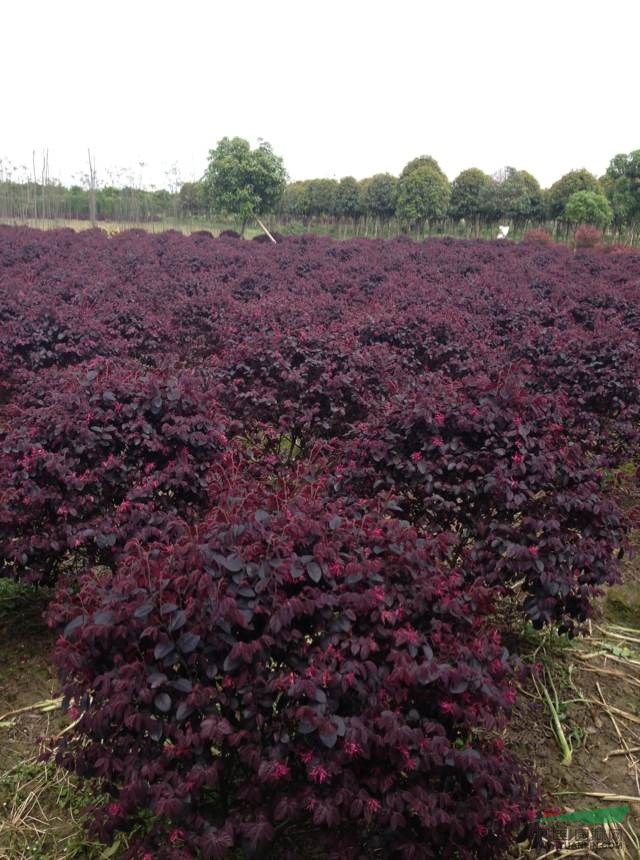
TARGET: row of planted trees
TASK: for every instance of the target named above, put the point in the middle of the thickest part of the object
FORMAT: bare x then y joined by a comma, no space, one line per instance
422,198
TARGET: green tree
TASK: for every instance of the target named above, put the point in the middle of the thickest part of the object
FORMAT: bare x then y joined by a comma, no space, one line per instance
347,200
423,194
322,197
622,187
469,194
563,188
515,195
379,194
244,182
588,207
192,198
77,201
295,200
422,161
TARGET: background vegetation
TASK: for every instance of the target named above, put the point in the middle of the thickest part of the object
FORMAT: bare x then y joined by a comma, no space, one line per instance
240,183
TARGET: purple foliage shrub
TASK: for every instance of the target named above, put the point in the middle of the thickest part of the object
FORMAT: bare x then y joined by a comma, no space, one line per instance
78,466
291,665
587,236
537,236
494,467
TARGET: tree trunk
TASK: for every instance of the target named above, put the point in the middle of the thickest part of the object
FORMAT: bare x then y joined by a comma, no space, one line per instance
92,190
35,187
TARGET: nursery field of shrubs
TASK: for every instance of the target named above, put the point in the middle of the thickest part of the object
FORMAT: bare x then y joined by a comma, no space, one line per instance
279,493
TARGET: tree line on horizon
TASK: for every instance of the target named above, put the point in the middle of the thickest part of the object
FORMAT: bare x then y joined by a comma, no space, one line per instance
241,183
422,195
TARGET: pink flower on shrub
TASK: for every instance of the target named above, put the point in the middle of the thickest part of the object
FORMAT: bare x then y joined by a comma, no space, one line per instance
319,774
439,419
438,441
373,806
503,816
533,550
352,749
306,757
114,809
517,458
416,456
349,679
407,635
176,835
280,770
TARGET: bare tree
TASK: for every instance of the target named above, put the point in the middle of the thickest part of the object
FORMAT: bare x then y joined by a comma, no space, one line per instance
92,188
35,186
45,179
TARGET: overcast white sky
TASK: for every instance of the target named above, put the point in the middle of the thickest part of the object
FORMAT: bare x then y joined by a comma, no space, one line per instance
338,87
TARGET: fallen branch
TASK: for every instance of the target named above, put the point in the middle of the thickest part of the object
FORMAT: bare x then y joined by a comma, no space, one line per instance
46,705
624,714
625,629
602,795
612,673
617,635
621,752
608,656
